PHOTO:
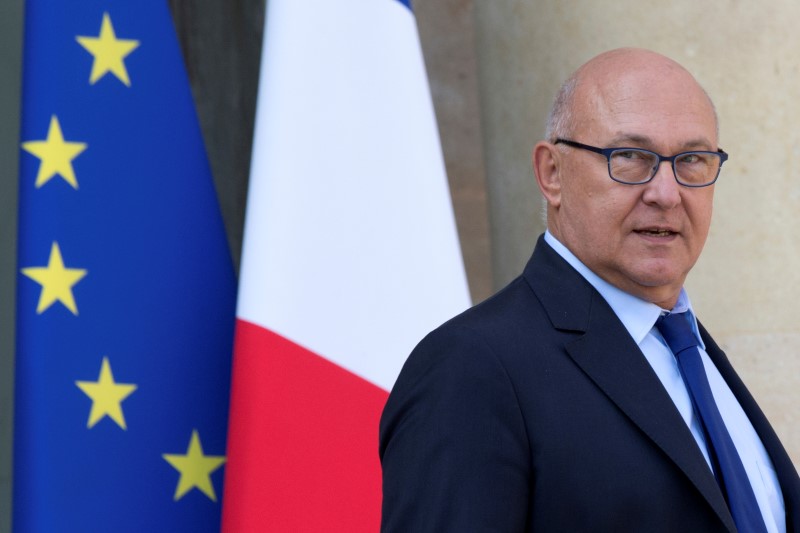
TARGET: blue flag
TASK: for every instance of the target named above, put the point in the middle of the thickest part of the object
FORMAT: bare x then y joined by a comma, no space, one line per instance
126,290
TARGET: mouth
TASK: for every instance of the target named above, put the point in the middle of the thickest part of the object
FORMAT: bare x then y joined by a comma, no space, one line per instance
656,232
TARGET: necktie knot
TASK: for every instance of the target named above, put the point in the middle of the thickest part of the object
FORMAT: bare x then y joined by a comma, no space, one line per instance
677,332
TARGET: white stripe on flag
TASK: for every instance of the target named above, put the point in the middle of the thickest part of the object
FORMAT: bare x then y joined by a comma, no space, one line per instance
350,245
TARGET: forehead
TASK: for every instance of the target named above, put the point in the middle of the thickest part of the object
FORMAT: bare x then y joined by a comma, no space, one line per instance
638,99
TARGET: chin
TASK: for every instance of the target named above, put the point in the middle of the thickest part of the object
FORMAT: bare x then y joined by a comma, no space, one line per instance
658,276
659,269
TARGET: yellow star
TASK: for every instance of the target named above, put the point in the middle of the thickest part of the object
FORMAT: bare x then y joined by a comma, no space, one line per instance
56,281
195,468
56,155
109,52
106,396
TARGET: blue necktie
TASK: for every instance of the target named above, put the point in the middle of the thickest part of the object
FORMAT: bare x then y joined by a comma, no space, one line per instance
732,477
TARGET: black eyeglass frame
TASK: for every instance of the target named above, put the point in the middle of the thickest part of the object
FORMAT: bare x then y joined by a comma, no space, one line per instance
607,152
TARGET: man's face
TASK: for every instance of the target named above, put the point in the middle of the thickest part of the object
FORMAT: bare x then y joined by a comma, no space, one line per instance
643,239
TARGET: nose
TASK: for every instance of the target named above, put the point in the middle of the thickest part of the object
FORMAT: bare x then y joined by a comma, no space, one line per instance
663,190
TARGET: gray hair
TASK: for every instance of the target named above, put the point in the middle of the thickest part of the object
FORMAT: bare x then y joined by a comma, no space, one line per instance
561,120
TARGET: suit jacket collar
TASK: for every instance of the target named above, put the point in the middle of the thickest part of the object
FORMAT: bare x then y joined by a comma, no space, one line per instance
606,353
787,474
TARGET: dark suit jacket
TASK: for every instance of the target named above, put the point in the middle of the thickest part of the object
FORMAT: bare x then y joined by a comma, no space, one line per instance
536,411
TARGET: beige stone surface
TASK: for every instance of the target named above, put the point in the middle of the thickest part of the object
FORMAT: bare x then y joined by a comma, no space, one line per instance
447,35
771,362
746,56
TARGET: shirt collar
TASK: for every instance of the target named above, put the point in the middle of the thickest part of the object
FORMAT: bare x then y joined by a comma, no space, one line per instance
637,315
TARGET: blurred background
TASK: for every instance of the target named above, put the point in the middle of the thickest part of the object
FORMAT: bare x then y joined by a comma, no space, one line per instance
494,67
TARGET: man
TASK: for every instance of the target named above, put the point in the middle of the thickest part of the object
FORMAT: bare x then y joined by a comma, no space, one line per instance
569,401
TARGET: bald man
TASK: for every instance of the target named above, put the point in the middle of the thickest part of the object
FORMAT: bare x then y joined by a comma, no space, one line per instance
586,396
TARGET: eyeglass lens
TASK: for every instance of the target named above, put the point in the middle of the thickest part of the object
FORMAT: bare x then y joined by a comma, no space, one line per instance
637,166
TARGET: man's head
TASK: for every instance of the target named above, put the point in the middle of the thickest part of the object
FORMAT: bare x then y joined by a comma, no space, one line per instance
641,238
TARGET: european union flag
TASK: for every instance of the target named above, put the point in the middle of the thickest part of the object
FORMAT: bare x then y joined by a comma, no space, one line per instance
126,291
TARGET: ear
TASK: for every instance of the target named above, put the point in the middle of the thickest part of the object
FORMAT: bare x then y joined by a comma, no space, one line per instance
547,167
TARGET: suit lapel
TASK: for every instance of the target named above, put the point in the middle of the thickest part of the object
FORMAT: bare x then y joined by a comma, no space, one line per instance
787,474
611,359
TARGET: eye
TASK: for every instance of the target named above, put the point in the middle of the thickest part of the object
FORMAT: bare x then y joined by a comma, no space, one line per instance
690,158
630,154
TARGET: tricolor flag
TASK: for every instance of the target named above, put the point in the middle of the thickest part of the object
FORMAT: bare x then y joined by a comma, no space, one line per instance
126,291
350,257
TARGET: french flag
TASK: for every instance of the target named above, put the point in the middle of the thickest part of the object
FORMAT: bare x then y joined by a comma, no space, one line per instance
350,257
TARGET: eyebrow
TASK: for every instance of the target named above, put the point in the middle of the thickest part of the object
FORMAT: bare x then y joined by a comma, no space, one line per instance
646,141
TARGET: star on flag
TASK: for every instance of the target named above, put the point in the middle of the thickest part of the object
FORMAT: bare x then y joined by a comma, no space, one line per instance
195,468
107,396
56,155
56,280
109,52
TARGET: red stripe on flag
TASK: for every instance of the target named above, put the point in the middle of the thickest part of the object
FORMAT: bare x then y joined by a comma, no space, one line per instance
302,442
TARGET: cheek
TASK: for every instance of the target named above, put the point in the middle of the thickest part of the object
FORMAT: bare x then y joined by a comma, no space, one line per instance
595,207
579,210
597,221
582,196
700,217
611,213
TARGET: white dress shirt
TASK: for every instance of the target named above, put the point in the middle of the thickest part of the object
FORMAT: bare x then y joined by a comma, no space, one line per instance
639,318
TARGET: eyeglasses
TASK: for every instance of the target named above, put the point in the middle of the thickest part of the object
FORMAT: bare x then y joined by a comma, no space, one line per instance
634,166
